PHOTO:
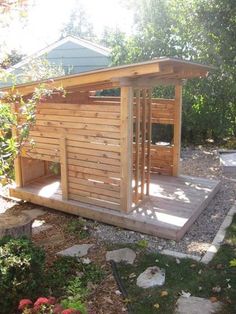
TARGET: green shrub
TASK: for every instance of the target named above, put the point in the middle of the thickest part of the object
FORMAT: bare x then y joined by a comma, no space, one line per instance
21,272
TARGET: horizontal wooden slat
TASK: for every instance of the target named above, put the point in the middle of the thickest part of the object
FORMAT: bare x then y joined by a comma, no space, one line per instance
83,120
97,202
112,107
79,113
53,138
102,160
80,126
93,165
93,152
93,183
94,171
53,131
95,177
93,195
96,146
90,191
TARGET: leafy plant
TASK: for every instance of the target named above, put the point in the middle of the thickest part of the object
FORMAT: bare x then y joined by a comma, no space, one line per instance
21,271
78,227
68,276
74,303
142,244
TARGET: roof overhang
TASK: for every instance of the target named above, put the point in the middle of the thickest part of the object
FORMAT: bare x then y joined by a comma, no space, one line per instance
150,73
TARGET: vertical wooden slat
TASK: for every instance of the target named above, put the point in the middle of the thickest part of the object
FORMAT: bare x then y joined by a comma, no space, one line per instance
126,129
149,138
17,161
177,129
64,170
137,140
143,142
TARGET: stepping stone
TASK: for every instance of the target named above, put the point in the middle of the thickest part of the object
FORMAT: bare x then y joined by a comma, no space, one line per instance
78,250
125,255
151,277
194,305
39,226
34,213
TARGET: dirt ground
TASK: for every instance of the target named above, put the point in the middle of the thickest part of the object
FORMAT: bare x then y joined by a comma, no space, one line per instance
106,297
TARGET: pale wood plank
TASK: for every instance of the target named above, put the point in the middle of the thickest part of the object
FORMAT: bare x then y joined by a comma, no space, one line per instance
126,133
64,168
177,130
17,161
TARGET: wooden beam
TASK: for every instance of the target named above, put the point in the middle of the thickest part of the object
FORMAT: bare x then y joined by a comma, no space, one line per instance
137,139
149,137
64,168
177,129
17,161
126,129
143,132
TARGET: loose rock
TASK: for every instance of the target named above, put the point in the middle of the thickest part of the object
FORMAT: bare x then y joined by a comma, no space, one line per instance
125,255
151,277
194,305
78,250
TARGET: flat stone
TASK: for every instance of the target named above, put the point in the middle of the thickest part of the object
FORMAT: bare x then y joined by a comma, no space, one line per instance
125,255
40,226
195,305
151,277
78,250
34,213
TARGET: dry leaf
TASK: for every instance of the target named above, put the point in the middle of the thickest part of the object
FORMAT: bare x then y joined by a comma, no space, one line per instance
213,299
216,289
177,261
133,275
185,294
164,293
156,306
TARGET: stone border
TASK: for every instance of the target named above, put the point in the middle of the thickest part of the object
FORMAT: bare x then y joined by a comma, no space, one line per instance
180,255
219,238
215,245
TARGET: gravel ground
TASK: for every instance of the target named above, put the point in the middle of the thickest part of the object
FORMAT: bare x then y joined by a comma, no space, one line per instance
202,162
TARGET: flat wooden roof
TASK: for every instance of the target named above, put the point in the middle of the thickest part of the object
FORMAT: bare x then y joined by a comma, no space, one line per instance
154,71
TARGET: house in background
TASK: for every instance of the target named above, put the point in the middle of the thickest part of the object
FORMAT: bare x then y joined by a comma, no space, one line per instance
71,54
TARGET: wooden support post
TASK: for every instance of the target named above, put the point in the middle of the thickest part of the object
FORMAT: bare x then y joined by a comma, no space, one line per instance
143,154
149,138
64,171
137,139
177,129
17,161
126,129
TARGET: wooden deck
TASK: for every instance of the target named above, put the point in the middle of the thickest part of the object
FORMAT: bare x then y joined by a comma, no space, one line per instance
170,210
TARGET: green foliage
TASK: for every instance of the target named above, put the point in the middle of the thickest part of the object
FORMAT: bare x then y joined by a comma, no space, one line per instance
197,30
78,227
67,275
78,24
185,275
74,303
21,272
10,145
142,244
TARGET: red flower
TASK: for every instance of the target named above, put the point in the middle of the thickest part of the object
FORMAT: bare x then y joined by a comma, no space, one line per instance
57,309
24,303
70,311
39,302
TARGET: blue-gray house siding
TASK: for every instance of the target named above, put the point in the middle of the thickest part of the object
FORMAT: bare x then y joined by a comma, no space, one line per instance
72,54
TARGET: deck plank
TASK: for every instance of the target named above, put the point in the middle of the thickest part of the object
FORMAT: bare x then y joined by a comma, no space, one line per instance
170,210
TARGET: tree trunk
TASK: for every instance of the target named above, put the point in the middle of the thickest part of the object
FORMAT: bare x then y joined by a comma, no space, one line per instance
16,225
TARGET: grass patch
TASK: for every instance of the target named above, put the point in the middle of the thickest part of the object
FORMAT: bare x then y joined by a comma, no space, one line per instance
188,275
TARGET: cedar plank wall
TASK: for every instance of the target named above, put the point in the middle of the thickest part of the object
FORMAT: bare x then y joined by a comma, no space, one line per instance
92,132
162,113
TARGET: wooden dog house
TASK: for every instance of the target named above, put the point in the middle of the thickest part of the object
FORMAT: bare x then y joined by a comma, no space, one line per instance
109,169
